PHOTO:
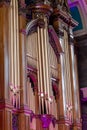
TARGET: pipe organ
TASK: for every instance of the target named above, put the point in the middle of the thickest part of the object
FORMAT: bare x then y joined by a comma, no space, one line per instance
39,87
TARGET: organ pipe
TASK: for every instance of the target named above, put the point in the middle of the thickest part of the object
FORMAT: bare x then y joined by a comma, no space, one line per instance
14,55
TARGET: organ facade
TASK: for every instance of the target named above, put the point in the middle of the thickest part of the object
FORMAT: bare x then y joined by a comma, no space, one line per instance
39,87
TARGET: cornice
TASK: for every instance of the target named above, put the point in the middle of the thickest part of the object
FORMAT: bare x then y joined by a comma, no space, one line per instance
41,9
66,17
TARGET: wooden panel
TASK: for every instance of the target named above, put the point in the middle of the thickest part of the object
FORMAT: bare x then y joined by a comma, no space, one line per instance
1,120
9,114
22,125
8,120
27,123
1,54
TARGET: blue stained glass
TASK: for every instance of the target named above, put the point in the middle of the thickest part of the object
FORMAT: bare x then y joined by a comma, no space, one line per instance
76,15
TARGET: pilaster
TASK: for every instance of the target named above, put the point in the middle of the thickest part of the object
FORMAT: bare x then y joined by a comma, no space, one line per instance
77,124
5,105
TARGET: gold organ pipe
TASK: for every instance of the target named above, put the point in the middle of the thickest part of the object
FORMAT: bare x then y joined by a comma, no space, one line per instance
15,62
40,78
39,89
40,63
43,60
38,49
17,42
47,77
46,56
11,49
44,65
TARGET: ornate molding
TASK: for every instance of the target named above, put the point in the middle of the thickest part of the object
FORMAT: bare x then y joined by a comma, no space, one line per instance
41,9
4,2
65,17
46,119
5,104
64,120
32,26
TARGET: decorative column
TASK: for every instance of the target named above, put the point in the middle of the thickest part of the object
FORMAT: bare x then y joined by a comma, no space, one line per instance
24,113
14,76
22,50
75,85
57,24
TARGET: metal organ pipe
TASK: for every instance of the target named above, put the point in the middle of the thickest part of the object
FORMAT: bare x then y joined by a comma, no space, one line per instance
43,66
11,48
40,78
47,77
14,54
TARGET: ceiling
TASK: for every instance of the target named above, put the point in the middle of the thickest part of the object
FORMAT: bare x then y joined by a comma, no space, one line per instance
78,9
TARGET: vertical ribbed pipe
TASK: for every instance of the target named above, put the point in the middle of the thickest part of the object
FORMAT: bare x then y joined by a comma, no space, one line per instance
47,77
14,48
11,47
43,65
40,72
14,34
43,39
17,42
